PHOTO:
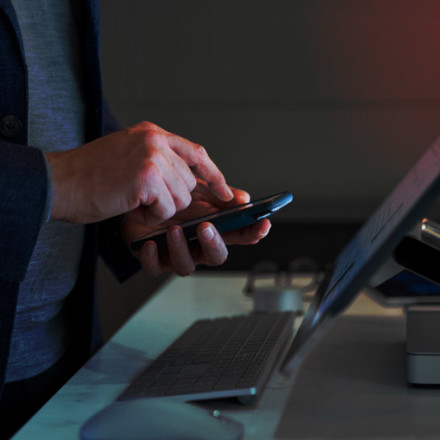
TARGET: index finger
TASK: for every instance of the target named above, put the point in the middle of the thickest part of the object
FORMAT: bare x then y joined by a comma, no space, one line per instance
198,159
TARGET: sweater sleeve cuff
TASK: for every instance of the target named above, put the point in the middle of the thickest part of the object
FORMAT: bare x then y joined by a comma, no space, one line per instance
48,205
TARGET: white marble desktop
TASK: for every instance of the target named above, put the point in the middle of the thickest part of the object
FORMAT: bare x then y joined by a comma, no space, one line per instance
173,308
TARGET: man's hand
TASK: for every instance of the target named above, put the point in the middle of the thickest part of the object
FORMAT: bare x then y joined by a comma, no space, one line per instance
142,169
210,248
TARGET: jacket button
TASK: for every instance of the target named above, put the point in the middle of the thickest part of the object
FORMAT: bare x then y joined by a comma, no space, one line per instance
10,126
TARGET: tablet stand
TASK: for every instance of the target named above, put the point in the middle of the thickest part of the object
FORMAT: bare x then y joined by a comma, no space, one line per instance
419,252
423,344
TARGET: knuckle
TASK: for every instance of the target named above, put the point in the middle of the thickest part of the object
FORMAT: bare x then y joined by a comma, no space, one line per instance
147,125
200,151
140,128
146,178
169,210
149,134
152,138
192,183
218,175
138,192
183,201
151,171
199,154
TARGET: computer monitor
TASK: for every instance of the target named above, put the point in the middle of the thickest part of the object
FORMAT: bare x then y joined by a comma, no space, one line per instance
366,252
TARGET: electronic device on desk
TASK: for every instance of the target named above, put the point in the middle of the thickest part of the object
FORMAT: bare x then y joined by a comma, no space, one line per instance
365,254
224,220
217,358
414,277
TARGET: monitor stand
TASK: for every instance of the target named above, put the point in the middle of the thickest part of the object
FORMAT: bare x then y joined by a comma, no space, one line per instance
419,253
423,344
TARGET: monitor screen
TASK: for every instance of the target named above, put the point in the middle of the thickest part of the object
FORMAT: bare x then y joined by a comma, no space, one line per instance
366,251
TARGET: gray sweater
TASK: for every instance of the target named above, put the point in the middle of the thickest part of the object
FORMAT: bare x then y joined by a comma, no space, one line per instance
56,122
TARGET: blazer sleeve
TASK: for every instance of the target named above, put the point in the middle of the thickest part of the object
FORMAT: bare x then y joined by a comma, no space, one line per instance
23,195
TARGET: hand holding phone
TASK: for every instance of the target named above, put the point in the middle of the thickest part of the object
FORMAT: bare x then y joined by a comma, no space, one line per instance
224,220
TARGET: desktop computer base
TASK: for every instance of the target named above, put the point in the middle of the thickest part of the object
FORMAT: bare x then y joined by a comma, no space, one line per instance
423,344
410,278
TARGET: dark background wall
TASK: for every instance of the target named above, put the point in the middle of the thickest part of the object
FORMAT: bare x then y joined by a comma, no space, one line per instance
330,99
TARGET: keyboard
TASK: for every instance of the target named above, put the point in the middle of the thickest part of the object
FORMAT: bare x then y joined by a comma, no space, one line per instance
217,358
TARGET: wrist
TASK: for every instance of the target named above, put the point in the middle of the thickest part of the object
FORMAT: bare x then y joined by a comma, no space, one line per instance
58,175
48,207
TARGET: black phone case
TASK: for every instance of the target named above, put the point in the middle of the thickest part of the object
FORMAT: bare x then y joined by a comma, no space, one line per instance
224,221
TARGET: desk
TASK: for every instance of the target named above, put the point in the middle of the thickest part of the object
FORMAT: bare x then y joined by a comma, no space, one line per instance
167,314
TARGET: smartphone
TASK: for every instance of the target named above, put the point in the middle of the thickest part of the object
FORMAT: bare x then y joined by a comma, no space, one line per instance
224,221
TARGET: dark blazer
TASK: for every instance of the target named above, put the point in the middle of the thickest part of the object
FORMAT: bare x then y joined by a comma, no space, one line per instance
23,184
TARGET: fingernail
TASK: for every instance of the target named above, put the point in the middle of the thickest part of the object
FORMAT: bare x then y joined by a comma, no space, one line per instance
266,232
245,198
230,193
208,233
